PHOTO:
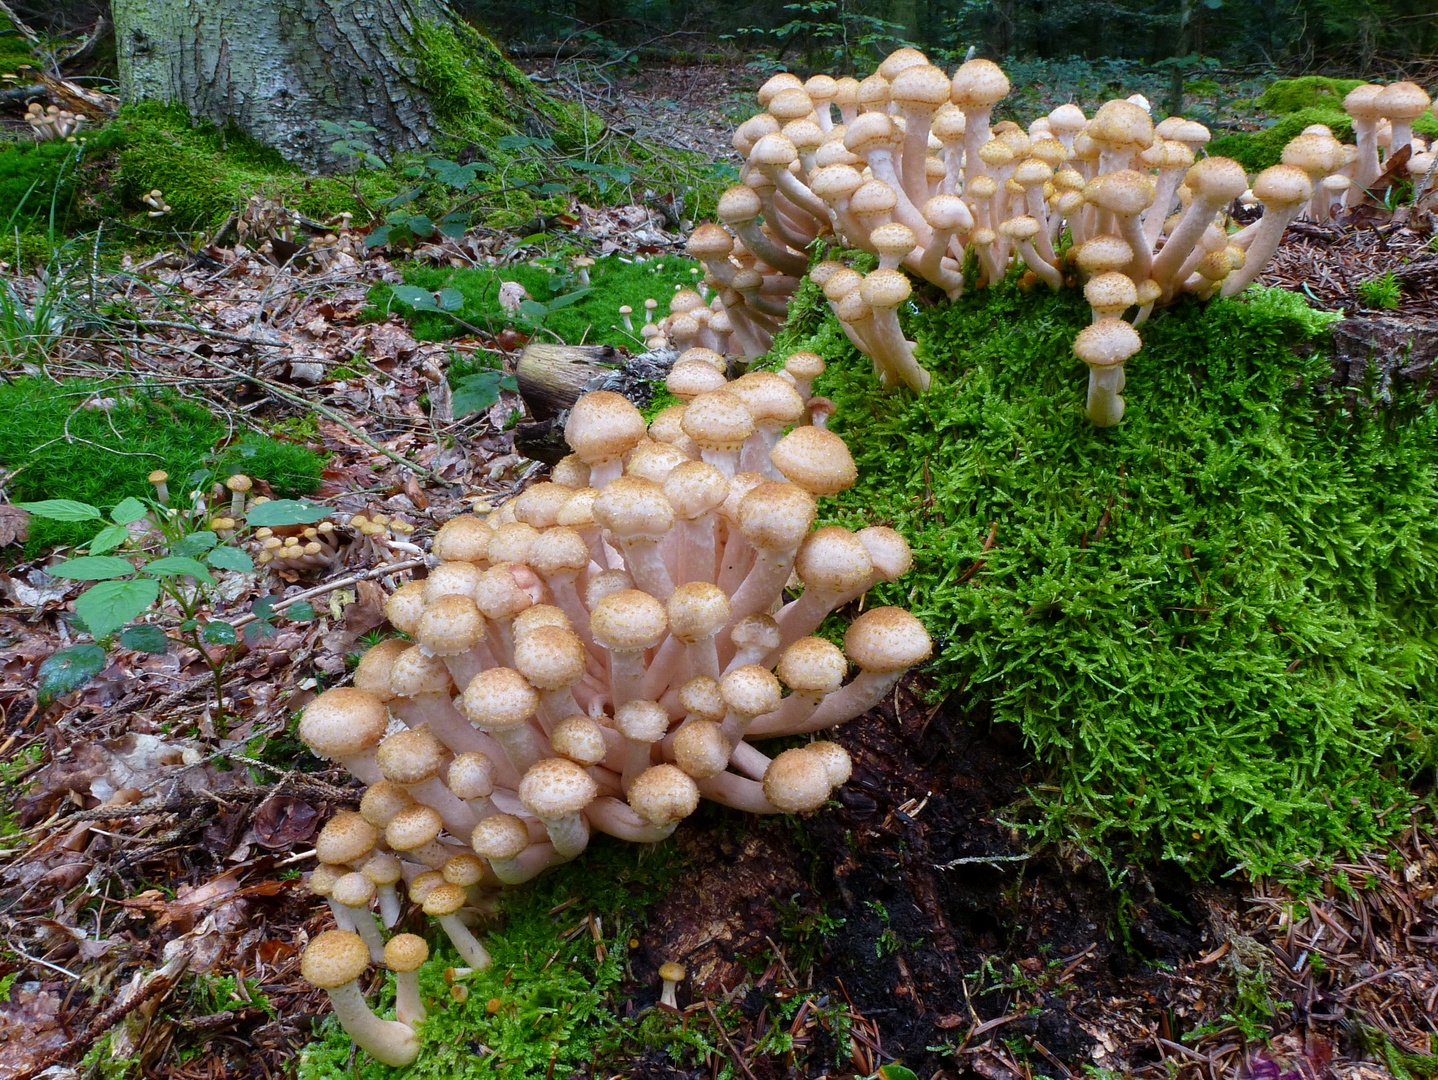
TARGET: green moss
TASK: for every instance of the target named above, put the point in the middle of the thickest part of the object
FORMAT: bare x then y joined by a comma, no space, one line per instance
553,981
1214,623
1308,92
14,50
110,453
589,320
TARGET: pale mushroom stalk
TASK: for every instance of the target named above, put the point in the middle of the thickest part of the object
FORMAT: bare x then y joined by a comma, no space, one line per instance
1282,189
764,582
616,818
527,865
449,726
750,760
387,1041
737,793
889,341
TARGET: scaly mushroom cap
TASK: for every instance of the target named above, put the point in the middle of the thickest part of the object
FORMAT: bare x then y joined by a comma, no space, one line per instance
805,365
663,794
471,776
1218,179
505,590
421,885
816,460
717,420
603,426
701,750
444,899
709,241
1316,155
797,781
1104,254
463,869
700,698
689,379
413,827
709,356
775,151
558,550
921,86
343,722
539,616
513,540
900,61
1122,123
580,740
812,666
1022,227
498,837
451,579
1124,192
382,801
893,239
1362,102
462,539
353,890
751,690
323,877
633,509
451,625
372,674
414,674
776,515
947,212
872,197
695,488
555,787
334,958
836,760
697,610
872,94
1403,101
549,657
889,552
405,607
738,205
628,620
790,103
405,952
978,83
1110,293
653,461
411,757
775,84
1105,343
578,512
871,131
382,868
642,721
833,559
770,398
346,837
498,699
887,639
1283,185
603,584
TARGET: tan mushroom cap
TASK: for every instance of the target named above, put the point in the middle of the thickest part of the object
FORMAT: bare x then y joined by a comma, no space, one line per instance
414,673
833,559
537,617
450,625
1110,293
835,758
382,868
901,60
797,781
642,721
471,775
1362,102
663,794
1104,253
887,639
701,750
411,757
709,241
555,787
708,356
462,539
816,460
413,827
498,699
978,83
717,420
513,540
346,837
580,740
628,620
405,607
1121,123
451,579
1403,101
672,972
812,666
1022,227
654,461
372,674
694,488
334,958
1316,155
323,877
444,899
750,690
776,515
700,697
549,657
1106,342
697,610
633,508
463,869
804,365
1218,179
421,885
776,83
499,836
603,426
558,550
1282,185
770,398
343,722
889,553
920,86
739,204
405,952
353,890
382,801
756,632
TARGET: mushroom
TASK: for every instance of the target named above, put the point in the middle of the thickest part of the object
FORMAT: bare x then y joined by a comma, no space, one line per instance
671,975
333,962
405,954
239,485
555,791
1104,346
884,291
442,903
1283,189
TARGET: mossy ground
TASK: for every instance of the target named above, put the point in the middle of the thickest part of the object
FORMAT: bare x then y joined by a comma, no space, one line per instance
560,951
1215,622
111,452
592,319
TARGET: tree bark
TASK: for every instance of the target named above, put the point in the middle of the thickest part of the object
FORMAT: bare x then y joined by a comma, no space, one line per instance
276,68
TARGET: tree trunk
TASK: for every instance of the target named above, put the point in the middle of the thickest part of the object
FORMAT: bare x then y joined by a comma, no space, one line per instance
276,68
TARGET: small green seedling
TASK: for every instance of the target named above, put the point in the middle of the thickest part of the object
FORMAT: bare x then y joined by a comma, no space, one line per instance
1384,291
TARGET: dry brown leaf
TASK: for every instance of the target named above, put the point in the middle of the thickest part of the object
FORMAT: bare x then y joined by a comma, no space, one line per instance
14,525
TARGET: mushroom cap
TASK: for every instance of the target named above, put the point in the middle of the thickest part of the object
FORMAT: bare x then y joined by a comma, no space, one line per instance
353,890
700,698
869,132
633,508
947,213
602,426
804,365
841,283
539,505
1362,102
1022,227
663,794
872,197
498,699
717,420
1111,292
833,559
346,837
463,869
550,657
1106,342
343,722
499,836
580,740
709,241
670,971
1283,185
1316,155
815,459
420,886
159,476
750,690
1104,253
405,607
739,204
334,958
382,868
382,801
323,877
414,673
777,82
948,123
1125,192
773,152
411,756
812,666
413,827
885,289
642,721
776,515
977,84
452,579
650,460
769,397
503,591
538,616
605,583
701,750
462,539
628,620
578,512
695,488
756,632
698,352
921,87
471,775
899,61
1121,123
239,483
451,625
893,239
1403,100
405,952
797,781
836,759
558,550
555,787
872,94
889,553
887,639
697,610
444,899
665,427
372,674
1217,179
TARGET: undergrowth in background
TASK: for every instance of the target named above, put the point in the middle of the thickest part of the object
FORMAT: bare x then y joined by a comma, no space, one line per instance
562,309
1215,623
551,984
117,435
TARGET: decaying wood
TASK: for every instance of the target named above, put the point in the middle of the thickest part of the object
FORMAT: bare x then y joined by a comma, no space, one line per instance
551,377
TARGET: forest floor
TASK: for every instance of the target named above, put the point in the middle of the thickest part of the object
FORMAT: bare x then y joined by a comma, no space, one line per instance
910,923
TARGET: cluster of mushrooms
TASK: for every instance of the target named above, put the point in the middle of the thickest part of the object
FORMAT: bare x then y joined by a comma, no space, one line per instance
53,123
598,655
1383,119
911,171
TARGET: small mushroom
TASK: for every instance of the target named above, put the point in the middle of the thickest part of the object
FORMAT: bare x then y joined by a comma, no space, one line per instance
1104,346
405,954
333,962
672,975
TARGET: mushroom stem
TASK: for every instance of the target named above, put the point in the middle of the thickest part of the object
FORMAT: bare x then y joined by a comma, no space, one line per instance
618,819
408,1005
1104,408
465,943
843,704
737,793
387,1041
569,833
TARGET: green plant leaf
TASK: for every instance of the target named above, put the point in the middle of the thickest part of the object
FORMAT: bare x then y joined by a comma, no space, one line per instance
92,568
194,545
111,604
896,1072
420,225
69,669
476,393
450,299
180,566
61,510
109,538
128,510
230,558
415,297
378,235
147,639
301,612
218,633
285,512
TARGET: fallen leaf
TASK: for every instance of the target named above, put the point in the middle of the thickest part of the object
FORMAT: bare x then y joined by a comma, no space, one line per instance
283,821
14,525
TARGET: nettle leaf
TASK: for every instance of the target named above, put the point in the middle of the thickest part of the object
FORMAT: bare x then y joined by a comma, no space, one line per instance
258,631
109,538
180,566
455,230
194,545
420,225
301,612
450,299
263,607
218,633
147,639
92,568
378,235
69,669
62,510
285,512
476,393
415,297
111,604
567,299
533,310
230,558
127,511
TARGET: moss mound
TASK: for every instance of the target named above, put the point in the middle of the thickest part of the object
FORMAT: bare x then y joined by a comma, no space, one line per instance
111,451
1215,623
1308,92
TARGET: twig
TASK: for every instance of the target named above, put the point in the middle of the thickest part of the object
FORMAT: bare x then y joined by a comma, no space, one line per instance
331,586
979,859
738,1058
43,963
